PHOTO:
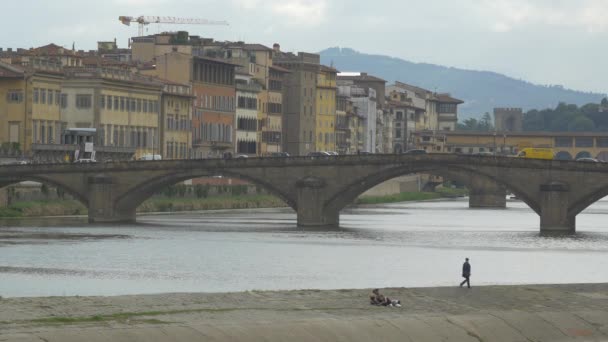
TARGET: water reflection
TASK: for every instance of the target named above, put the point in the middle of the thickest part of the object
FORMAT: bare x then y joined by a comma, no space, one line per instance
404,244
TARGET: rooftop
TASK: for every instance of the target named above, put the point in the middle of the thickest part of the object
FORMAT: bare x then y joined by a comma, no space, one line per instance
359,76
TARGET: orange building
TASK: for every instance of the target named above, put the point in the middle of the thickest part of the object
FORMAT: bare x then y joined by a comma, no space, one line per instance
213,122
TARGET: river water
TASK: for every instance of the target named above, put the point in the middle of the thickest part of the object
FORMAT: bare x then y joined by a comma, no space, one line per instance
391,245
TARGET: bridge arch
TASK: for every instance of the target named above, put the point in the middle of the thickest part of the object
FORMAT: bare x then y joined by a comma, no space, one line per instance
469,177
72,189
138,193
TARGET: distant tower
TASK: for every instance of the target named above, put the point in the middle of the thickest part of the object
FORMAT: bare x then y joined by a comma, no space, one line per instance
508,119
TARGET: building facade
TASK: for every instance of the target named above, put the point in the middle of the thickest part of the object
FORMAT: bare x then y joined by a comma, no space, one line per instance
326,109
247,91
299,119
175,121
213,122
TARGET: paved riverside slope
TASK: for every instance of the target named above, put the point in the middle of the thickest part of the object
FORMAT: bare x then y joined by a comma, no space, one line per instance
494,313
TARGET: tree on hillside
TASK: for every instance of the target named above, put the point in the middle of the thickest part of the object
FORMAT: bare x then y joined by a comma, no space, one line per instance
534,121
590,108
581,123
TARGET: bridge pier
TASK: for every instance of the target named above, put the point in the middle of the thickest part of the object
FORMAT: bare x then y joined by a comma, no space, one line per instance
554,216
485,193
311,204
102,208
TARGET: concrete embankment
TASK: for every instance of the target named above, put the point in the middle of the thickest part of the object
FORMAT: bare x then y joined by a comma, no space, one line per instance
493,313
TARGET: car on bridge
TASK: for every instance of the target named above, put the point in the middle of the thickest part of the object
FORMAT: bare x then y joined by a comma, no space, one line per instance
318,154
279,154
416,151
85,161
588,160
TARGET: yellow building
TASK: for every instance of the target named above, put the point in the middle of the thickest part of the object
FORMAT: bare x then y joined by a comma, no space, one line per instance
30,105
566,145
325,118
176,121
124,108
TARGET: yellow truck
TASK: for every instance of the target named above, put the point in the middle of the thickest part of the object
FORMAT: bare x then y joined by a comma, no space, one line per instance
536,153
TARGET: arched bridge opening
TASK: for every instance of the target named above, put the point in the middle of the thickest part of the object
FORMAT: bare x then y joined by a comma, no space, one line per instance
41,190
485,191
203,185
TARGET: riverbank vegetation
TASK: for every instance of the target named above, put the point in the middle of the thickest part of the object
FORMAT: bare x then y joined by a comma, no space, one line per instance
180,198
413,196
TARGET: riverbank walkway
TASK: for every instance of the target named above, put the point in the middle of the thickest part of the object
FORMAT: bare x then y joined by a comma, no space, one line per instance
491,313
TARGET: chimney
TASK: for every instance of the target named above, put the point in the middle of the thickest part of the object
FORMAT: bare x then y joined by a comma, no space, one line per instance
276,47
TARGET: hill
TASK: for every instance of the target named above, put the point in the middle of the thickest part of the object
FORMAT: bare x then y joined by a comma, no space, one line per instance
481,90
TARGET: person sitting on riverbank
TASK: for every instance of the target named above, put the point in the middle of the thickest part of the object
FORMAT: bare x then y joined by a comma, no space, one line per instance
379,299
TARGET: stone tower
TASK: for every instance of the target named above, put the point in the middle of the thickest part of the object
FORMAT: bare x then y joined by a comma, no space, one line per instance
508,119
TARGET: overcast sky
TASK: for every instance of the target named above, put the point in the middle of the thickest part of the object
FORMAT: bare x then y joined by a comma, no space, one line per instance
543,41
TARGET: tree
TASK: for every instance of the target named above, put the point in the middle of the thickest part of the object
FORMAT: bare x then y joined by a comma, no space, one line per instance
605,102
590,108
581,124
485,124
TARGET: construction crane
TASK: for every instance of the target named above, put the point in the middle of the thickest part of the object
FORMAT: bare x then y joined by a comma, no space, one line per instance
146,20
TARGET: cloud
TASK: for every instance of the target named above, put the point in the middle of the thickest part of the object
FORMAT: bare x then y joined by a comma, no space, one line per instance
509,15
289,12
311,12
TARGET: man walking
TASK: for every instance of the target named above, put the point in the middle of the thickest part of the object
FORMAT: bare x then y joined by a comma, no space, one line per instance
466,273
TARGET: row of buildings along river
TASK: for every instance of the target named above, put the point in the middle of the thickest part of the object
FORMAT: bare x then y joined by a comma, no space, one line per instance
182,96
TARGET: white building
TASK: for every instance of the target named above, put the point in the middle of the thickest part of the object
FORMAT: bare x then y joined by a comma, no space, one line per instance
364,100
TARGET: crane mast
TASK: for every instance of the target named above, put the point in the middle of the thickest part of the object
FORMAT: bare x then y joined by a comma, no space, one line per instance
142,21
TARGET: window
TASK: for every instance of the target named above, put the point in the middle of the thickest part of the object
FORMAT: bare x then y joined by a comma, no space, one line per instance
109,102
14,96
122,104
43,96
57,96
602,142
139,105
64,100
145,106
397,133
116,100
584,142
83,101
563,142
36,95
102,102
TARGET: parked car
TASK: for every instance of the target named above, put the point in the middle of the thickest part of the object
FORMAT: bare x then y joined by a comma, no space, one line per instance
319,154
241,156
85,161
151,157
415,152
588,160
485,154
333,153
279,154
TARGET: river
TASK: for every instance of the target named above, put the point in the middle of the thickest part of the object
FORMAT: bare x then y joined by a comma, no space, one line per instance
393,245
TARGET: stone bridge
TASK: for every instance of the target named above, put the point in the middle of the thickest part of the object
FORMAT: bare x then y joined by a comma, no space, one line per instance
318,188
